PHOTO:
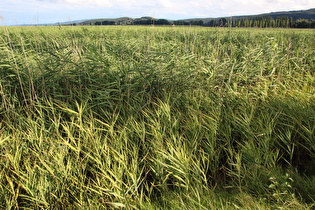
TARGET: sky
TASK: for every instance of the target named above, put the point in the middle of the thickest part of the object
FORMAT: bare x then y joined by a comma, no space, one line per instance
15,12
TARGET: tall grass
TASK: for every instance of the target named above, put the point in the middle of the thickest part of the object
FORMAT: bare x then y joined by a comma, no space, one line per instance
156,117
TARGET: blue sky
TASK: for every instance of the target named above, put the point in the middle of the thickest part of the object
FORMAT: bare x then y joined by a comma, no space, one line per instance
14,12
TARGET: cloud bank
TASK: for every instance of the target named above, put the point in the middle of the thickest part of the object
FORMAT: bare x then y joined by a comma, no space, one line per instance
59,10
198,8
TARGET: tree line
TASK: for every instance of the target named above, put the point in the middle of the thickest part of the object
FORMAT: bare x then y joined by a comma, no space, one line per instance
269,22
258,22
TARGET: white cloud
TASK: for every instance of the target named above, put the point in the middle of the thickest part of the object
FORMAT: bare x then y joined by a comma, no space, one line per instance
190,7
99,3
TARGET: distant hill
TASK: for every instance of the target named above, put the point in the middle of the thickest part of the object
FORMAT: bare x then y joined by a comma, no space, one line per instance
299,19
109,21
295,15
120,21
301,14
73,22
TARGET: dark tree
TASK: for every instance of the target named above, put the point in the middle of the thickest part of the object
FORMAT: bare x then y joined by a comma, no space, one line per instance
181,22
108,22
162,22
302,23
212,23
223,22
143,22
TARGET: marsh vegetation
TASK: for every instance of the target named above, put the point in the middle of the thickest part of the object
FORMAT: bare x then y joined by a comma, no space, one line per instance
157,118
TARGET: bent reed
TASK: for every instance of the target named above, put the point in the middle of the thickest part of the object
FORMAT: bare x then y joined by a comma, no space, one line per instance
156,118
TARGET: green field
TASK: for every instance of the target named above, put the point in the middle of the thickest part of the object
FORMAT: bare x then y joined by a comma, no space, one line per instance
157,118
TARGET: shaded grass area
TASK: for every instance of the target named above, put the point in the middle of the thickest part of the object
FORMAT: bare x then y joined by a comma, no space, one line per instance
156,117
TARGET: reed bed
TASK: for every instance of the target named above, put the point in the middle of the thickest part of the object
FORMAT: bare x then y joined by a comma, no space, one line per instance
157,118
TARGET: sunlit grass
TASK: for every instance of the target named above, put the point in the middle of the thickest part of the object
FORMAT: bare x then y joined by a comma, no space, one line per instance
157,118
